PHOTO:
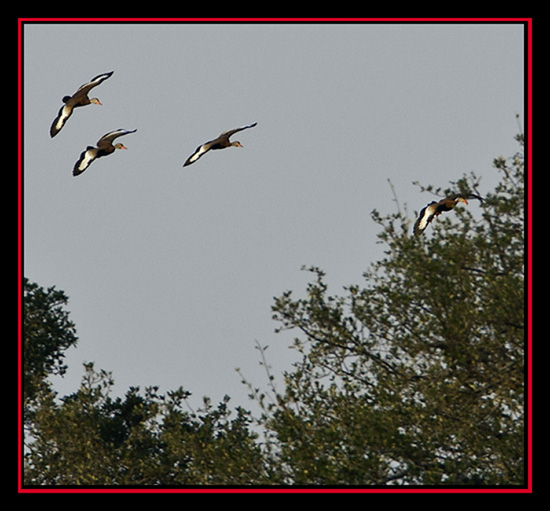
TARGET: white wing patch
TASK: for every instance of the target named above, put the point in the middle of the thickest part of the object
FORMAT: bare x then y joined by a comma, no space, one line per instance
197,154
64,113
87,157
426,216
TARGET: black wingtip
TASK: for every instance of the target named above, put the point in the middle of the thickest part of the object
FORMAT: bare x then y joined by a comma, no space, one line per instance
475,196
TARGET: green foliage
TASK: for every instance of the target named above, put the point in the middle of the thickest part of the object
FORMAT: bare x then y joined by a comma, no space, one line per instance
146,438
47,333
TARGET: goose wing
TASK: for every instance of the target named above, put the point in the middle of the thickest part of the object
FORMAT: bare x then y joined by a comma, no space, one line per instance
475,196
199,151
467,196
228,133
425,217
108,138
64,113
86,158
94,82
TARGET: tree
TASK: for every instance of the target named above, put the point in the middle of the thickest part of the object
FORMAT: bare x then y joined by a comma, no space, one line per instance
146,438
47,334
417,377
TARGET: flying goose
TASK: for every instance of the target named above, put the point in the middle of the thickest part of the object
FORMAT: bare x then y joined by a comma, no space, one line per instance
104,147
79,98
218,143
435,208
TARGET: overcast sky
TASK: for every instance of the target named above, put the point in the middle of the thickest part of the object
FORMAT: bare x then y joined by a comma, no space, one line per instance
171,271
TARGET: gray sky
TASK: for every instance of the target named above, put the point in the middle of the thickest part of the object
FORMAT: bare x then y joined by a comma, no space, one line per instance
171,271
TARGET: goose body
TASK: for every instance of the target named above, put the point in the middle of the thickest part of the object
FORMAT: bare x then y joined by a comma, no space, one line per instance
218,143
104,148
79,98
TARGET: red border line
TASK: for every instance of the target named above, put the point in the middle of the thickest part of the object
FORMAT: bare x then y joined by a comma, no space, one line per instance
529,67
289,20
